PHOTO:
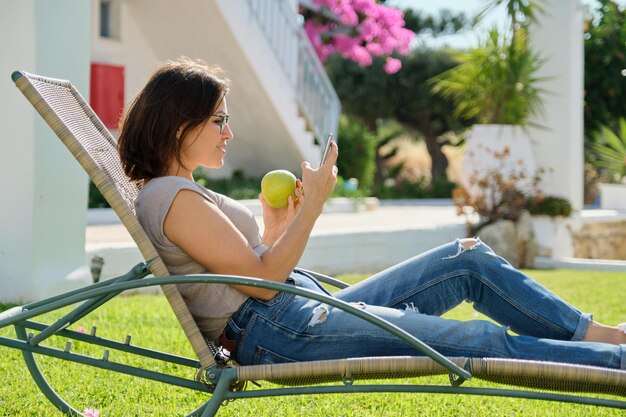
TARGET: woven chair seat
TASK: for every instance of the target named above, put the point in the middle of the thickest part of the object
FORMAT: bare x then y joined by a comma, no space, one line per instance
530,374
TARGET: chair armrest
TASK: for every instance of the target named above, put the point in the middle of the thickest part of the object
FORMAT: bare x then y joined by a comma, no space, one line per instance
325,279
12,312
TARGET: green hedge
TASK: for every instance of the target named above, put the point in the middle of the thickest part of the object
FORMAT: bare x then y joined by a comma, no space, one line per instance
238,186
357,152
438,188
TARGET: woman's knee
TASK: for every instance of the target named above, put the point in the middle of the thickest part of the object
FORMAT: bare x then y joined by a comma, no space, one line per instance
468,250
469,242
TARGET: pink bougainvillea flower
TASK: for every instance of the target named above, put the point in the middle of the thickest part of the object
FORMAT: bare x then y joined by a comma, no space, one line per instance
348,17
392,65
364,29
345,45
370,30
89,412
374,49
80,329
361,56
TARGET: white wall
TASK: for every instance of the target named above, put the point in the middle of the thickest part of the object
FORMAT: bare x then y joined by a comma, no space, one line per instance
132,50
559,39
44,192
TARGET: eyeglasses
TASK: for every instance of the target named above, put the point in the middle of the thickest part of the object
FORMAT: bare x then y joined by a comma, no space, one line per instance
225,118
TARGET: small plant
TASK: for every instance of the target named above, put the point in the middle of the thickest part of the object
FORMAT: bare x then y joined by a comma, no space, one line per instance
500,194
497,82
349,188
495,194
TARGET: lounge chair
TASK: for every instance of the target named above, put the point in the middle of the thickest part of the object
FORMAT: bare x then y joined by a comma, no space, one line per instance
75,123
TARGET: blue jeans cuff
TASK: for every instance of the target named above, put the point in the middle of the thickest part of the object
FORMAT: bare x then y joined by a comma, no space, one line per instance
583,325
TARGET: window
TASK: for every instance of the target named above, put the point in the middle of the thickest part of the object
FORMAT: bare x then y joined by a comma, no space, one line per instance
110,19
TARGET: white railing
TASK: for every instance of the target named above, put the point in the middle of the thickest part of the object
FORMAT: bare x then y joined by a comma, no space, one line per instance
316,97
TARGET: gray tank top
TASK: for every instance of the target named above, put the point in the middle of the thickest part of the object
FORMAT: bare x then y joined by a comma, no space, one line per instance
210,304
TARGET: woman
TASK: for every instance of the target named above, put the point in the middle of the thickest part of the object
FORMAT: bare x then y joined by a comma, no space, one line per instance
180,121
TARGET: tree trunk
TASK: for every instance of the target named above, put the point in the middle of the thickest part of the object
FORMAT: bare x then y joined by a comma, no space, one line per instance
380,175
438,158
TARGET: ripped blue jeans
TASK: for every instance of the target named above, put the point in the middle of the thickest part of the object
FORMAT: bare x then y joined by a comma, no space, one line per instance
413,295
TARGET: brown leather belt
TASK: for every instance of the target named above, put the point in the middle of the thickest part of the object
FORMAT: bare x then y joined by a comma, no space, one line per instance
227,343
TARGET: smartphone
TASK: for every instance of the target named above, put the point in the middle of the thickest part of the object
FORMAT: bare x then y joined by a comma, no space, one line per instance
327,148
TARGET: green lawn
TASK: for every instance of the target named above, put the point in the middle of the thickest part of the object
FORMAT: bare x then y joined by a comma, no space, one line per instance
149,320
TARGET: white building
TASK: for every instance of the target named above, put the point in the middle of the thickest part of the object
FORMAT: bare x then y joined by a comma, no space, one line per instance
280,95
281,100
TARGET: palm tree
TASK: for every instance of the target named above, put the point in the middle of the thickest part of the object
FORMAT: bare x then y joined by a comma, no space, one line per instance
610,151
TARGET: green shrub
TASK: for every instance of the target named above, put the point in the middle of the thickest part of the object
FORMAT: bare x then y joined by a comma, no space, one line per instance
550,206
441,188
342,189
96,199
438,188
357,150
238,187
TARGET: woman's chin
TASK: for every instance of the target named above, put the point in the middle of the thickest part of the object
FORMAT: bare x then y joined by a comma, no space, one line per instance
215,164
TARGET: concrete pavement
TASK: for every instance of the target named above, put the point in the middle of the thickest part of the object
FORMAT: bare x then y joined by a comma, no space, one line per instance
395,217
342,240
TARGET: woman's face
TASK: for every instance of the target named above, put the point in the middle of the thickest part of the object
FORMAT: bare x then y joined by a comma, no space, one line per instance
205,145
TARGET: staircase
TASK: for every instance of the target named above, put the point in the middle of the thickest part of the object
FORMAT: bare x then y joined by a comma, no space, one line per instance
270,34
315,94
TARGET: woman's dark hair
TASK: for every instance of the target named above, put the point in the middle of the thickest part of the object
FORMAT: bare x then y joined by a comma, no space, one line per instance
179,96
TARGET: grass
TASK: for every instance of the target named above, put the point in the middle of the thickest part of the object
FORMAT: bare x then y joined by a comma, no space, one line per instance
149,320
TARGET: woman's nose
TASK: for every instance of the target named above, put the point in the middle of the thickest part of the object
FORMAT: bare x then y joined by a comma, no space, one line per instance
228,133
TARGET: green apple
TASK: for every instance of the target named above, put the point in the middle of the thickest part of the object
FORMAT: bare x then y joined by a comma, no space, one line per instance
277,186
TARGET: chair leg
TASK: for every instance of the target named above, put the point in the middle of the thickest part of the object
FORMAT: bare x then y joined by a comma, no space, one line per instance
199,411
40,380
227,377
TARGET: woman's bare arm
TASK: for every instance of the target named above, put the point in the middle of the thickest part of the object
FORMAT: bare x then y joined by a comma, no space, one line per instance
202,231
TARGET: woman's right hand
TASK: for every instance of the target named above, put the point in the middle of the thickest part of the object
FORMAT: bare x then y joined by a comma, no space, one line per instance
318,184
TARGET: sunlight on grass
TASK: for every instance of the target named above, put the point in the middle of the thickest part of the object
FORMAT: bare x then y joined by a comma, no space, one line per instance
149,319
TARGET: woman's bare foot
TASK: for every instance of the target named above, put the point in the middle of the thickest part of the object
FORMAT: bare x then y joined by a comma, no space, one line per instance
606,334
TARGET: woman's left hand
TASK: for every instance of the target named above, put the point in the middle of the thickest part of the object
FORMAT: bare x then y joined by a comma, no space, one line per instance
277,220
